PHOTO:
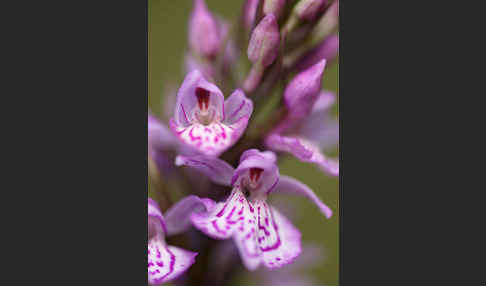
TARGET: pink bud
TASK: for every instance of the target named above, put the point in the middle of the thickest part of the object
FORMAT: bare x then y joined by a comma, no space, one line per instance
264,41
274,7
309,9
302,92
249,13
204,36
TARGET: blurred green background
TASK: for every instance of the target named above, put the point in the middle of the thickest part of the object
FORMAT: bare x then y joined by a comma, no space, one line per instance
167,43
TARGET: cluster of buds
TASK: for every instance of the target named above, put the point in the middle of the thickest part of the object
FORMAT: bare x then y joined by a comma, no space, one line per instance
223,152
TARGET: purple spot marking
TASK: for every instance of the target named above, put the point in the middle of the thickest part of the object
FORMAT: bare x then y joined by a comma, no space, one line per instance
215,225
278,242
222,210
183,111
192,136
231,213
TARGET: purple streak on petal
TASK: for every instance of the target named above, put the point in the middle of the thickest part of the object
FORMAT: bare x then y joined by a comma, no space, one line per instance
328,49
178,216
215,169
237,106
291,186
302,92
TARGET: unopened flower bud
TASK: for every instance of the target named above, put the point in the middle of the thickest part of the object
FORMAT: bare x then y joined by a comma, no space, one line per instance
264,42
309,9
204,36
262,50
302,92
274,7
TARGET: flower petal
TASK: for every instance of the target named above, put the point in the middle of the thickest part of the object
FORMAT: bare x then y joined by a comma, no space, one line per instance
248,247
178,217
187,98
155,213
303,90
245,238
159,136
236,107
278,239
222,219
291,186
166,262
303,150
215,169
319,127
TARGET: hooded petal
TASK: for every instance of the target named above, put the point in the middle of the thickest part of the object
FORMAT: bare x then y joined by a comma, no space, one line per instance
278,240
187,98
265,162
237,107
291,186
178,217
167,262
319,127
215,169
223,219
303,150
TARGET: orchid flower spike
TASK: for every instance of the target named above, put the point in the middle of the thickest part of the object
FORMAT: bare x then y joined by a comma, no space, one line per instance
165,262
307,137
261,233
204,120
